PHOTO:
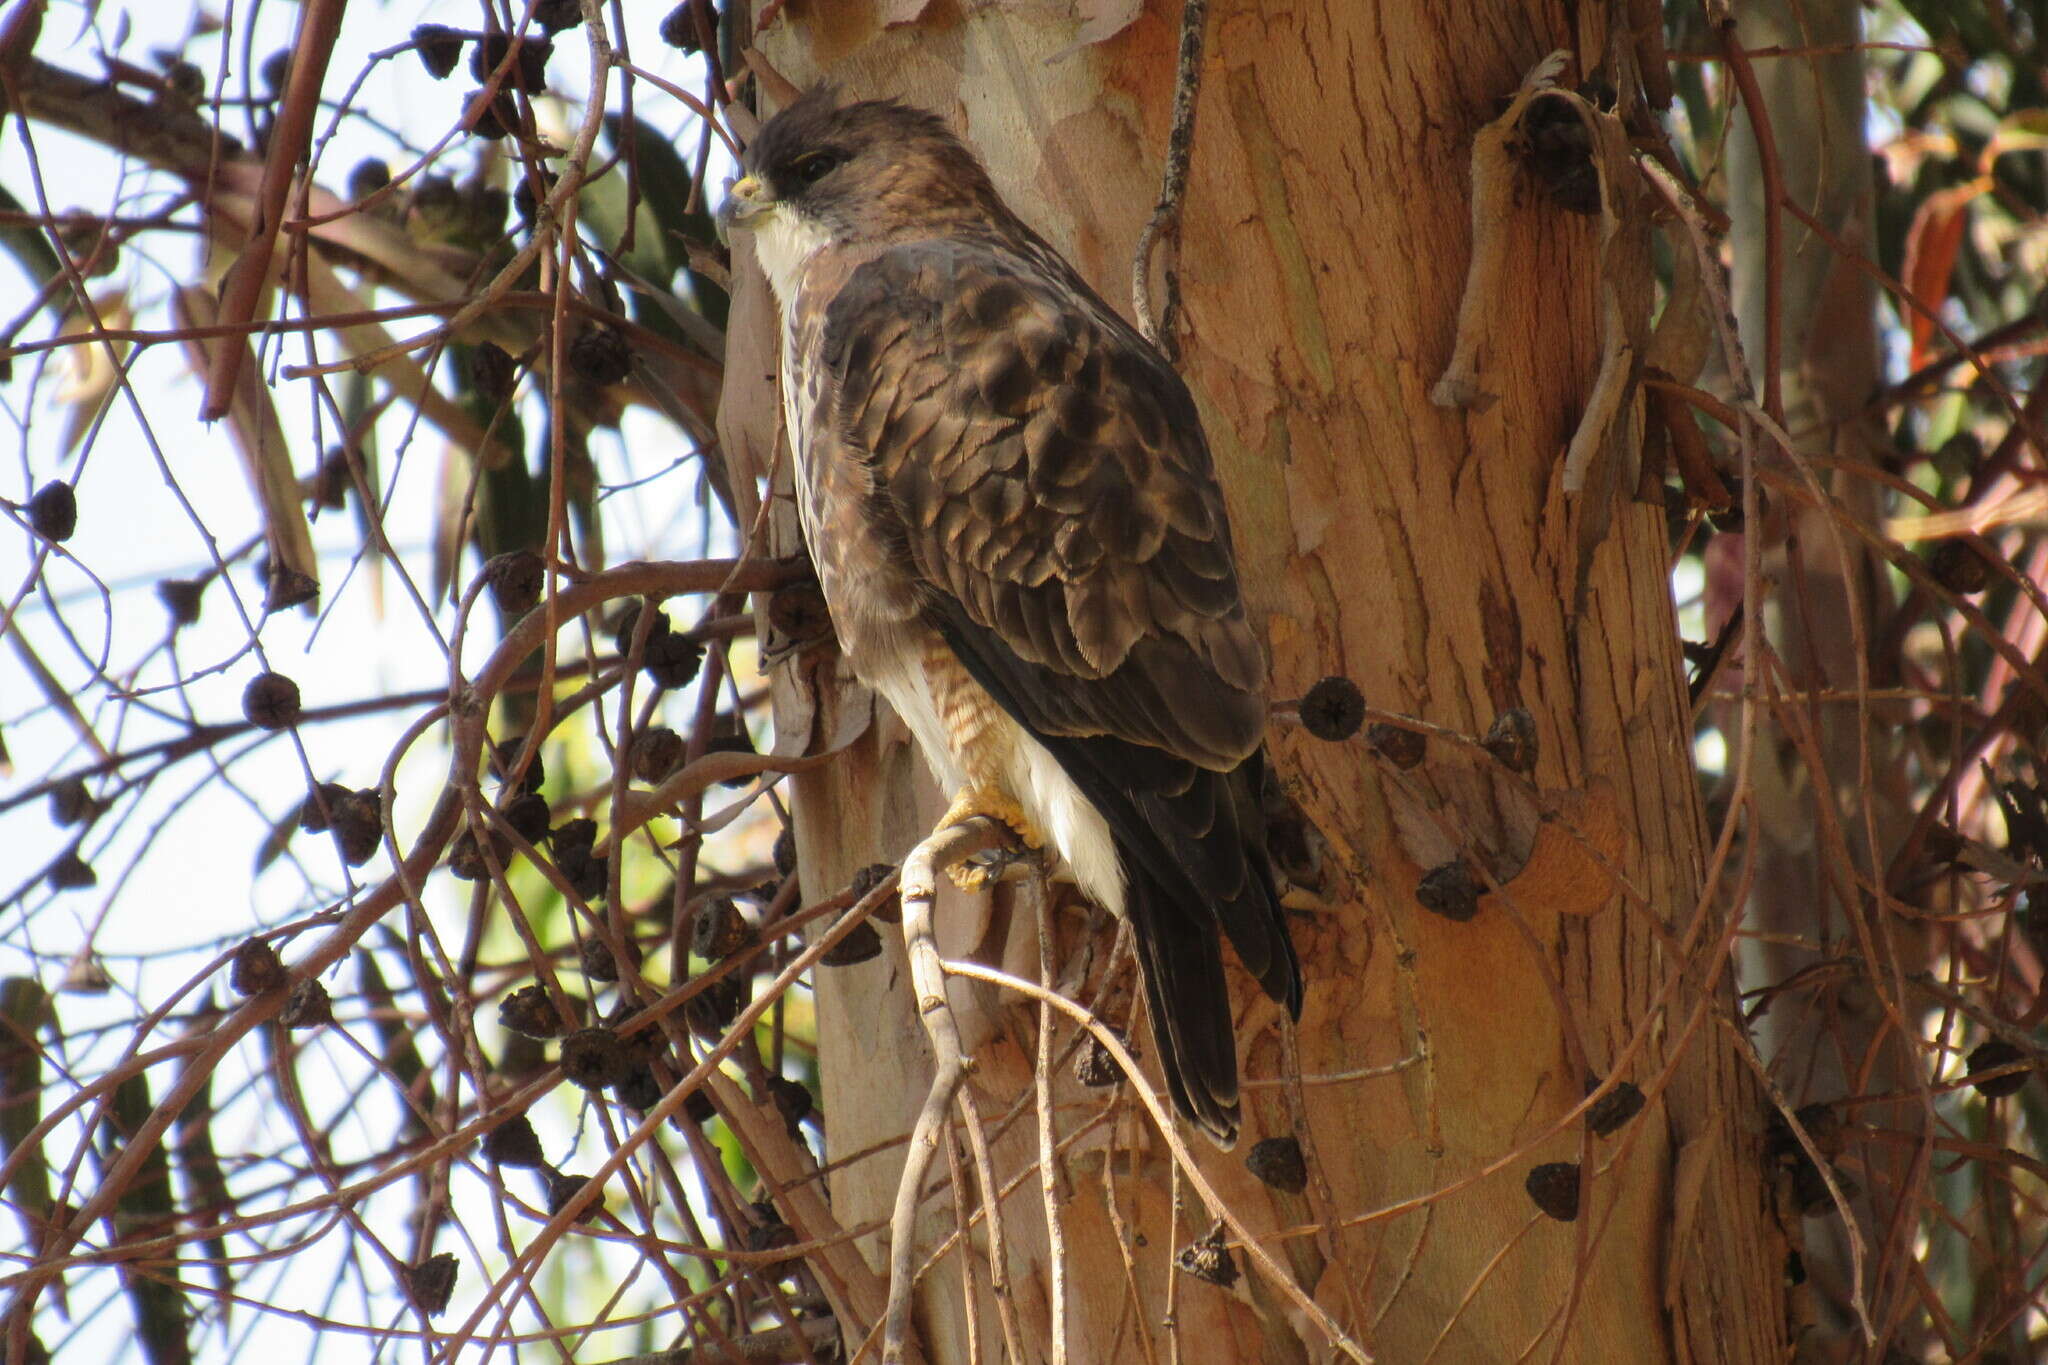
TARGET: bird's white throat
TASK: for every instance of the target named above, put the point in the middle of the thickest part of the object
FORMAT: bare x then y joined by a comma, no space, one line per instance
784,243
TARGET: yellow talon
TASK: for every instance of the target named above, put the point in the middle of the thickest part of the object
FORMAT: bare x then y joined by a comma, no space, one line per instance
972,876
994,804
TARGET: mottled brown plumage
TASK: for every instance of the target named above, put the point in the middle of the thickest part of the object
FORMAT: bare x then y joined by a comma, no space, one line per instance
1018,529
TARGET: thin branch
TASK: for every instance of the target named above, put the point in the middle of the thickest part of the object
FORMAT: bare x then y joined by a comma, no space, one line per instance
943,851
777,1346
1276,1274
1774,193
1039,907
167,139
248,278
1173,184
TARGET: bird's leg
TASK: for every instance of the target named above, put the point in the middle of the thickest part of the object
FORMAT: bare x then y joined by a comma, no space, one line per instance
989,802
983,742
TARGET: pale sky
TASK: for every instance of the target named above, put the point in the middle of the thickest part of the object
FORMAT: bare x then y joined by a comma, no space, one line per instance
193,886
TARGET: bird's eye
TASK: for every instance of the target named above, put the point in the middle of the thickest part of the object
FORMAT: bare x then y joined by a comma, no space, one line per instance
812,167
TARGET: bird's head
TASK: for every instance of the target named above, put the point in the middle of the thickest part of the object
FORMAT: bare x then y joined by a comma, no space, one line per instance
822,173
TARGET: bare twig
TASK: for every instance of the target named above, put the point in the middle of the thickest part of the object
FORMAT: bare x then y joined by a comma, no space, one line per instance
1173,183
777,1346
944,850
565,190
1276,1274
1039,906
349,924
290,136
1774,194
992,1204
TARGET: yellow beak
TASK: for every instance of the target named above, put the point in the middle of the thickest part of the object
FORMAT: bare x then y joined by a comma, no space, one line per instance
746,199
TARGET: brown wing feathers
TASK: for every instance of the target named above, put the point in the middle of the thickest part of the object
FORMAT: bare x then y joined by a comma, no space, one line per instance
1048,477
1063,508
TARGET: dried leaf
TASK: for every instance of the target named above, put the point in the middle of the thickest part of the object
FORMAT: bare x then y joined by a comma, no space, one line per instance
1684,333
259,439
1703,483
1932,243
93,370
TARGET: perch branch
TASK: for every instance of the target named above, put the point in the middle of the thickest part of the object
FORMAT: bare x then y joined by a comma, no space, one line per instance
945,849
169,140
1048,1169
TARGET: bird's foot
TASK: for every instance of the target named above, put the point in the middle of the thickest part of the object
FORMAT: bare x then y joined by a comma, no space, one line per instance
990,803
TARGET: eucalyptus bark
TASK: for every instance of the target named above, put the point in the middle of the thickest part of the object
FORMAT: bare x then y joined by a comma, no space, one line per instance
1431,555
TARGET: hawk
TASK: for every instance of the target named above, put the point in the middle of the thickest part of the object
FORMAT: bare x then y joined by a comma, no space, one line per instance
1018,531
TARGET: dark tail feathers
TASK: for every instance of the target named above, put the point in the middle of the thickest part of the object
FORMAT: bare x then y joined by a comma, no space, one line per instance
1188,998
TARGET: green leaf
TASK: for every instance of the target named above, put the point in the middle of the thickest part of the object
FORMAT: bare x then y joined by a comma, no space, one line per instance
359,413
276,839
511,510
29,245
25,1010
208,1200
400,1054
1964,19
660,173
663,227
2024,131
143,1209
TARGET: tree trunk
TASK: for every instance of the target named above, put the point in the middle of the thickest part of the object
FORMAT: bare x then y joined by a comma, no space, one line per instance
1432,556
1836,1040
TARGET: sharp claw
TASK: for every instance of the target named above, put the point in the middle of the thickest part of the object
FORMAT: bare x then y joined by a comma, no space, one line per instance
986,868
